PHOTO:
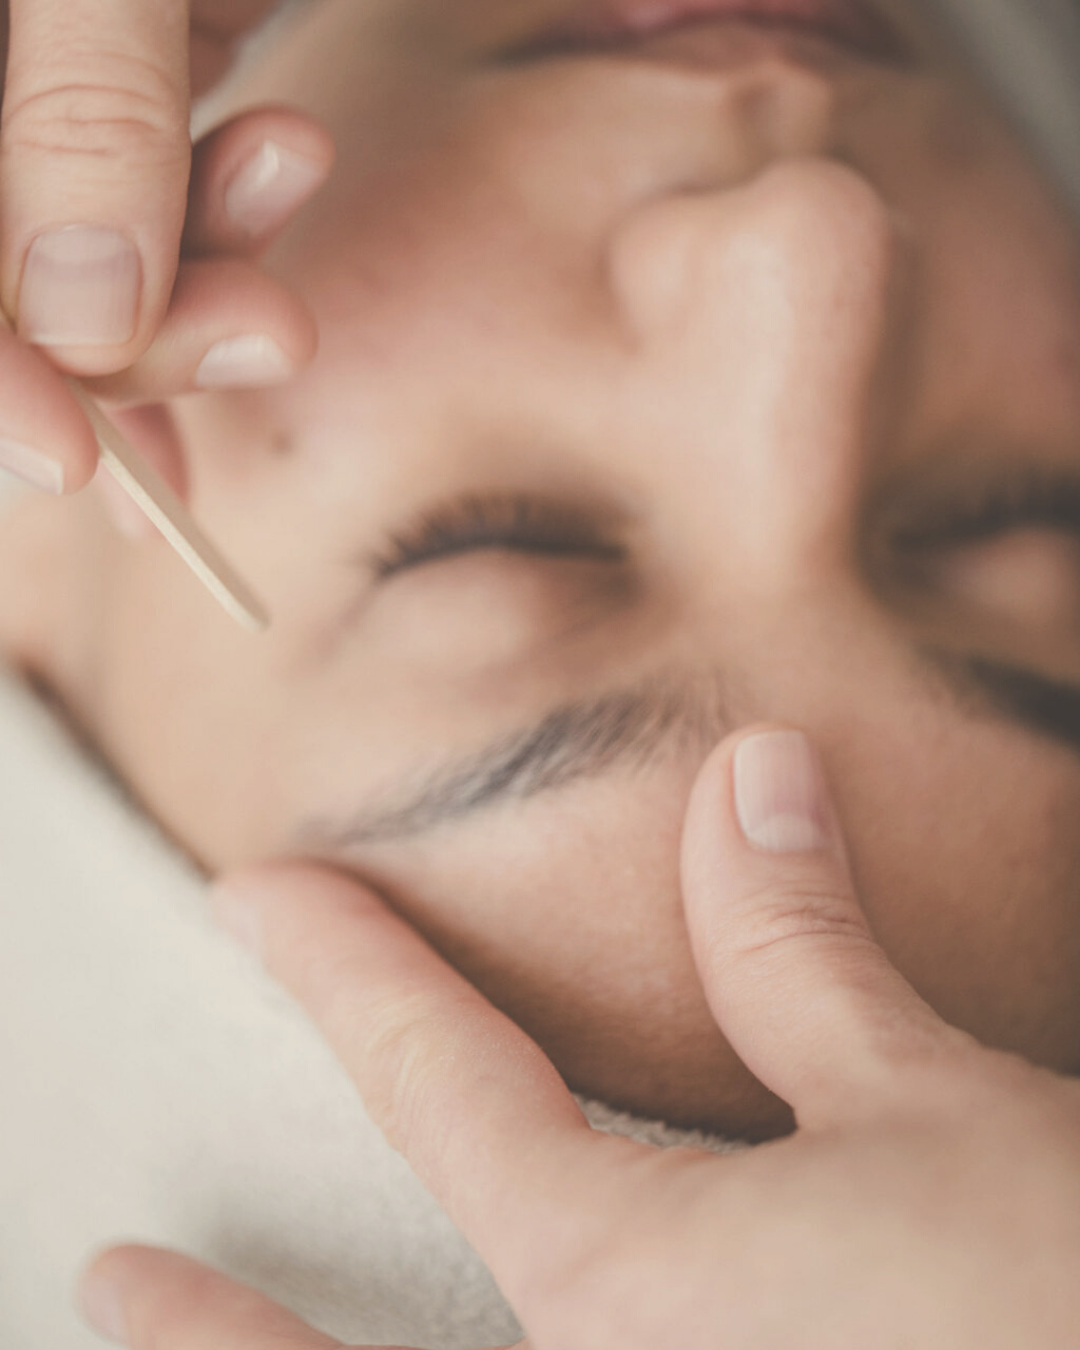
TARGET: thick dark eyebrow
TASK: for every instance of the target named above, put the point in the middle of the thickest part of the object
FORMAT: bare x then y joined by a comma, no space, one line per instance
628,729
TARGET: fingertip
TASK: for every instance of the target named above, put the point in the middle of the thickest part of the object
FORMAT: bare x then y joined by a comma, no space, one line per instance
765,789
102,1309
81,287
781,799
249,361
763,857
251,175
99,1291
786,953
91,296
45,440
32,466
271,186
229,326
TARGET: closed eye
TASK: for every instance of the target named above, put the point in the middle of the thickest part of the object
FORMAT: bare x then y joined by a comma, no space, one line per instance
517,523
975,509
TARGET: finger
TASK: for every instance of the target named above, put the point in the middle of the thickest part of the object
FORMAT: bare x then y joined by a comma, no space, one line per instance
151,1299
792,972
94,160
228,327
250,177
44,437
475,1105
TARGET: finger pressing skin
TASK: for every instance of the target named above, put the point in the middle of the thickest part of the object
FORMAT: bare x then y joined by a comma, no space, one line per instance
94,161
44,437
249,178
228,327
792,972
151,1299
474,1105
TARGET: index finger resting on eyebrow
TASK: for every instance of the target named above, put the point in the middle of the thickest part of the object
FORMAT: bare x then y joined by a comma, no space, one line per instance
474,1104
94,161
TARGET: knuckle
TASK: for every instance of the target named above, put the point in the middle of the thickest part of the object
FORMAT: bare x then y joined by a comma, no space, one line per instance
402,1044
803,912
130,107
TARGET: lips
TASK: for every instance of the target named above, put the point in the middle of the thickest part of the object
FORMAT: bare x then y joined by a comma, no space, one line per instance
614,24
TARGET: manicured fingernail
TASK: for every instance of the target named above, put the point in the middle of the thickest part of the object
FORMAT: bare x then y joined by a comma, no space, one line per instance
80,288
238,916
269,187
780,795
31,466
251,362
102,1308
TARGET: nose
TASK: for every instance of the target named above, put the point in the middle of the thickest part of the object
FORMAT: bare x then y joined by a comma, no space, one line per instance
761,318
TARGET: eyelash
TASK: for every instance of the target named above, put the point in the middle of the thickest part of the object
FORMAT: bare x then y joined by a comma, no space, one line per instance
554,529
1036,498
518,524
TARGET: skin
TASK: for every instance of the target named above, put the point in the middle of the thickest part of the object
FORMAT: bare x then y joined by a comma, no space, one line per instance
928,1198
88,91
738,316
95,134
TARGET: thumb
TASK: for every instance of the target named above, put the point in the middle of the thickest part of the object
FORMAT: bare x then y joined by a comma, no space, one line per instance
94,160
792,973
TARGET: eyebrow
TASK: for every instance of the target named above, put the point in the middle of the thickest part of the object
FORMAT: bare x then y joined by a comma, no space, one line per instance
635,728
628,730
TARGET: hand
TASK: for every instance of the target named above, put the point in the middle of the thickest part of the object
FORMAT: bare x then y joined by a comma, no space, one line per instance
930,1195
95,135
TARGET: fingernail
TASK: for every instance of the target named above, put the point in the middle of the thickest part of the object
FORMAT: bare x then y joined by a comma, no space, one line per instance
780,795
80,288
269,187
102,1308
251,362
31,466
238,916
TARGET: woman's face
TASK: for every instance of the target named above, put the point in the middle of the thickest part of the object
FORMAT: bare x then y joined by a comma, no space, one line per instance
668,382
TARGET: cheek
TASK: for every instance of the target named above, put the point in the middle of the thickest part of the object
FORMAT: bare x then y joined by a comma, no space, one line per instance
967,863
188,710
566,912
578,891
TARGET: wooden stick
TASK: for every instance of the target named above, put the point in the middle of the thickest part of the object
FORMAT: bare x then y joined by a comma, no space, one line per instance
150,492
153,495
